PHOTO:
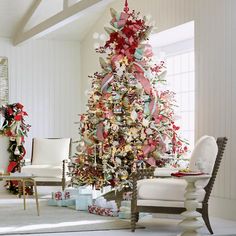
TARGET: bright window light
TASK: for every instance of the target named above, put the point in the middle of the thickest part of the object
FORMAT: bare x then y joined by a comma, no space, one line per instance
176,47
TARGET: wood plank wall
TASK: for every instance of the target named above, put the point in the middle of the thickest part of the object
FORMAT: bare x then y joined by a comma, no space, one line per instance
44,75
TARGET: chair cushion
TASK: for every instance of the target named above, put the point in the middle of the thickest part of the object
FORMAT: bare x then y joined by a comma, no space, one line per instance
50,179
168,189
204,155
50,151
43,170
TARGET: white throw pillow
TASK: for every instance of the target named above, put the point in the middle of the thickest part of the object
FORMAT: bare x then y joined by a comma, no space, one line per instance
204,155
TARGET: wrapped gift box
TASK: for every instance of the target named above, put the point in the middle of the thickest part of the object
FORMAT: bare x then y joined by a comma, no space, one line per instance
52,202
82,202
61,198
102,211
125,210
125,215
66,203
61,203
74,192
61,195
125,203
85,190
127,196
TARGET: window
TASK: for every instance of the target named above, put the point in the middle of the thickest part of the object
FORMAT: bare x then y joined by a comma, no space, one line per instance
176,47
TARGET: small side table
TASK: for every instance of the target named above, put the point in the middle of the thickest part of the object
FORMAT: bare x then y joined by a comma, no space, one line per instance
191,224
23,180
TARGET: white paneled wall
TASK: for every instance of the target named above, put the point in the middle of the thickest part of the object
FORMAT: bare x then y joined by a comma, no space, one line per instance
44,75
214,78
215,59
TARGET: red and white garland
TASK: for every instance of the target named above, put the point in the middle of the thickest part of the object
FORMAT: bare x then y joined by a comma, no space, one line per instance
14,127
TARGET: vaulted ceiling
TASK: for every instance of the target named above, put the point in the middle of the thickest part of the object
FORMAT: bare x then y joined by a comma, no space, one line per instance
54,19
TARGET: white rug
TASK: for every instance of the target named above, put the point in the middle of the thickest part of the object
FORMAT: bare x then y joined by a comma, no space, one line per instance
15,220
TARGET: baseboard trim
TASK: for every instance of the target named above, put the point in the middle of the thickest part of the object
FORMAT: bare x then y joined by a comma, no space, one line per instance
223,208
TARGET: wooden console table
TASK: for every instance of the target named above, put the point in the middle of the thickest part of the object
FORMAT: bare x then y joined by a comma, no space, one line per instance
23,179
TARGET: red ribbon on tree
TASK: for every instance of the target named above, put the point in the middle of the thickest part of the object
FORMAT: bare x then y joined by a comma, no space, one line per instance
126,8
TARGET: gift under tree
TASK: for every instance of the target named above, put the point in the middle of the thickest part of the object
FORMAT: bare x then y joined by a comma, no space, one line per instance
129,122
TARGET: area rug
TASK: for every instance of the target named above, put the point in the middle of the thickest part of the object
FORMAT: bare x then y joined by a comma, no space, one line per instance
15,220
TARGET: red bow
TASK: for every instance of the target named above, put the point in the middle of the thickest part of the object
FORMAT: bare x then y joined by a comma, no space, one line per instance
11,166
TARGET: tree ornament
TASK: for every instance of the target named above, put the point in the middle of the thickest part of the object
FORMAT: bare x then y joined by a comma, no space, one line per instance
96,45
95,35
124,174
103,37
119,118
117,109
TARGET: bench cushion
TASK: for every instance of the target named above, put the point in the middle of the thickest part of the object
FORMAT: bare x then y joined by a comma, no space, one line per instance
168,189
43,170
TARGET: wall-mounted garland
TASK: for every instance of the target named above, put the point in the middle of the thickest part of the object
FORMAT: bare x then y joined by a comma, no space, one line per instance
14,127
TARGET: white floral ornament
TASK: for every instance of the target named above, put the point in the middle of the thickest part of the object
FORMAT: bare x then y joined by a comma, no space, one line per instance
96,45
95,35
103,37
145,122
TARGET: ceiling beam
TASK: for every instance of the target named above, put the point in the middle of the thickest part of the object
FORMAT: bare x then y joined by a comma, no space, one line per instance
26,18
65,4
62,18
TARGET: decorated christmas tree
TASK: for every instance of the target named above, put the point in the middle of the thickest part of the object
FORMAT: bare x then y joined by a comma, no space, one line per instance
129,122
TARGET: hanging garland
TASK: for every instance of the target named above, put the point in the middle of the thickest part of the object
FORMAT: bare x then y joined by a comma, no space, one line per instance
14,127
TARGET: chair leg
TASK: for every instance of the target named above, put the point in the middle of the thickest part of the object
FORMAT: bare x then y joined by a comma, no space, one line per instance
136,217
133,221
205,217
20,189
63,175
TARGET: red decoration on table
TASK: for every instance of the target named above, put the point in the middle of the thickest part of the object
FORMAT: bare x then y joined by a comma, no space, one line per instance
181,174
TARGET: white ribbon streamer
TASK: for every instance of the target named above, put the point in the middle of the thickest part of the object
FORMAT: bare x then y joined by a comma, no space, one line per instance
108,81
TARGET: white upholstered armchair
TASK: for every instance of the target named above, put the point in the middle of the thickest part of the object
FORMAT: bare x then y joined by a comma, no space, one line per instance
166,195
48,161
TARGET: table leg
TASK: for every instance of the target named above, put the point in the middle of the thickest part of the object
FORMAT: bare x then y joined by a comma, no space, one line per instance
190,224
20,188
36,196
23,189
